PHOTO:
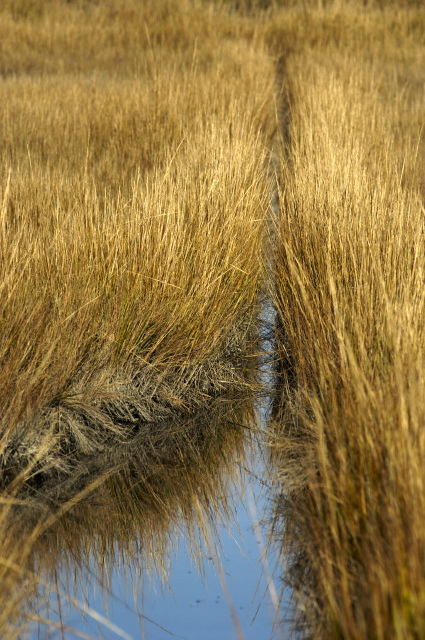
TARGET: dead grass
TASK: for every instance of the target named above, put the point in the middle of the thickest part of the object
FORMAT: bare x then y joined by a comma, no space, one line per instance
348,431
135,144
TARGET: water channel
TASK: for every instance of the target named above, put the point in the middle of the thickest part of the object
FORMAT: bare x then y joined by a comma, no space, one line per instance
182,554
232,596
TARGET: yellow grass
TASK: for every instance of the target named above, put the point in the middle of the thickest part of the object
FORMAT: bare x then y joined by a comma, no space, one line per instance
348,432
134,141
134,188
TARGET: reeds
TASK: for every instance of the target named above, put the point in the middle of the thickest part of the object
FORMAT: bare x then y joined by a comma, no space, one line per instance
135,142
348,436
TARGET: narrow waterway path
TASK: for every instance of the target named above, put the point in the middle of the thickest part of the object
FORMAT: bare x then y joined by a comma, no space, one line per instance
228,596
215,582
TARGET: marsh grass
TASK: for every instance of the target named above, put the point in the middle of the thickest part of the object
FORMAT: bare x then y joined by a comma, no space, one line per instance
135,146
134,190
347,437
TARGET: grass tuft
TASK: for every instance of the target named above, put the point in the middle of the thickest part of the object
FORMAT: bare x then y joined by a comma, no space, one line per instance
347,437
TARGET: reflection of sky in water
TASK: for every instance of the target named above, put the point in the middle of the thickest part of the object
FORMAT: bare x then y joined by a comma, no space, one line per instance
197,610
230,601
191,607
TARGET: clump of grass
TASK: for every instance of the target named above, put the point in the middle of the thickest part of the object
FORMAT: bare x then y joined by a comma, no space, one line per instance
347,435
134,190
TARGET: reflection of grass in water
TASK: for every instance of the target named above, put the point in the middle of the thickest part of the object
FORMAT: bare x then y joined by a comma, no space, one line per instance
134,145
137,503
348,436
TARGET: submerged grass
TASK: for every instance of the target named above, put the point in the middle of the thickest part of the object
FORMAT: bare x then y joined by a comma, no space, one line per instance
347,438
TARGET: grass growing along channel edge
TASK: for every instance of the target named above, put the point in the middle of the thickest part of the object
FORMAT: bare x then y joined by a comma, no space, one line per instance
141,145
347,434
135,188
132,217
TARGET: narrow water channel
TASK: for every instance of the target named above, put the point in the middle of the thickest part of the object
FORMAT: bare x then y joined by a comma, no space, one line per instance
140,560
230,597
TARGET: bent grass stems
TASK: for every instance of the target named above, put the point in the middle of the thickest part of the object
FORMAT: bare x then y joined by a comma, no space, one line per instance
347,438
134,146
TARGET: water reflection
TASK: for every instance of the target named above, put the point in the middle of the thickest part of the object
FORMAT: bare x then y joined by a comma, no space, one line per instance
130,507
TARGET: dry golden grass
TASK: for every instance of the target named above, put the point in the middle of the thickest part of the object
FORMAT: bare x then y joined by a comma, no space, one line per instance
134,187
134,142
348,437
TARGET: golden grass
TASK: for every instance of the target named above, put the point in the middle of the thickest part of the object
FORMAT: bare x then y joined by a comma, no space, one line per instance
134,144
134,189
135,141
348,436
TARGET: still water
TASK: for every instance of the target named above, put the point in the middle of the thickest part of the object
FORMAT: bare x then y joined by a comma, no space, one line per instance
230,597
163,535
181,553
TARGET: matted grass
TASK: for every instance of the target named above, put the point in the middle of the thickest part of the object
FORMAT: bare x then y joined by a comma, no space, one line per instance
348,438
135,143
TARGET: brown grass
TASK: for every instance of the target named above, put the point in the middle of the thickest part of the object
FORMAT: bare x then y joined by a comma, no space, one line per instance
348,431
135,141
